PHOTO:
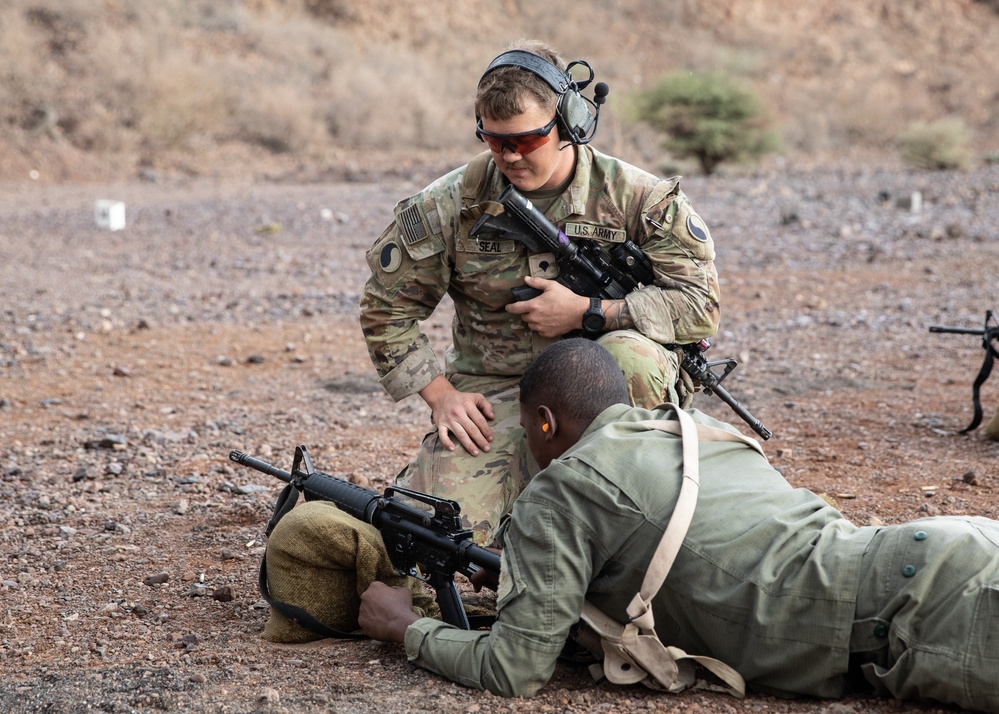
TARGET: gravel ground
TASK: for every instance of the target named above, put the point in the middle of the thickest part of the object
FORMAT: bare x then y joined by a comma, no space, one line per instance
224,316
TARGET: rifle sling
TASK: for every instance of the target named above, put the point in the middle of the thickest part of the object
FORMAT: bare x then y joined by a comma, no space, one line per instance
983,374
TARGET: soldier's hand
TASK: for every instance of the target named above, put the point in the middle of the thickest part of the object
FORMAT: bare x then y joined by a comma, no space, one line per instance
465,415
553,313
483,578
386,612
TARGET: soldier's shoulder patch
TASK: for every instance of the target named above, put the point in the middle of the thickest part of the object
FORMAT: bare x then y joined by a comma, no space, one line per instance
418,227
413,223
692,232
390,257
697,228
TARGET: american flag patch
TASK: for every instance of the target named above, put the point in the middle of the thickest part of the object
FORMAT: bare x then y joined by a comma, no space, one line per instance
412,224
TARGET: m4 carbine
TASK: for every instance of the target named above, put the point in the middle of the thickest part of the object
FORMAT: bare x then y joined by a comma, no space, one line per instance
587,270
423,534
989,334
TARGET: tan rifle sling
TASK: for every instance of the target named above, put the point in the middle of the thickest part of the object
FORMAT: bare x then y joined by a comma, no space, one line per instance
632,652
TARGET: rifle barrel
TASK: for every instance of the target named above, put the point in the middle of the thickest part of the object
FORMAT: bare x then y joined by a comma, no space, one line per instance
246,460
754,423
956,330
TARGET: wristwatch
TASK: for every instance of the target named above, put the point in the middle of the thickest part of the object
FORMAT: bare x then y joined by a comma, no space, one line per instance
593,318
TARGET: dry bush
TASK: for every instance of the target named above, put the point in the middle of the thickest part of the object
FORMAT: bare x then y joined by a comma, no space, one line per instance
938,145
395,101
184,100
281,119
37,41
330,10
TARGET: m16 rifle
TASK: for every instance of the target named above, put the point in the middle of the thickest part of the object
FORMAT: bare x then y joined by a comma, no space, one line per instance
587,270
423,534
989,335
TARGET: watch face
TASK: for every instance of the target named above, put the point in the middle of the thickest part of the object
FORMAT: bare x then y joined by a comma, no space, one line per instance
593,322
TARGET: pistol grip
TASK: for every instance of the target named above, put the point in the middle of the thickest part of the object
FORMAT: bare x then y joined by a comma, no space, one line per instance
525,292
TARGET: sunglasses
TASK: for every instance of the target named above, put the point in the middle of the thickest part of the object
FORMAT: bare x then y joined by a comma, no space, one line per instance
522,143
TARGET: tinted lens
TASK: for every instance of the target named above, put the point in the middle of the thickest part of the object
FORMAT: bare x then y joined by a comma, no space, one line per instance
522,145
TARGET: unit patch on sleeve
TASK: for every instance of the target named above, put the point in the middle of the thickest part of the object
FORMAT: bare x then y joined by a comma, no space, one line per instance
697,228
414,227
692,232
390,257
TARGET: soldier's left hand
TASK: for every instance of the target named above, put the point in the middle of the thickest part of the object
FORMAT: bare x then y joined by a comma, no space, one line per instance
386,612
555,312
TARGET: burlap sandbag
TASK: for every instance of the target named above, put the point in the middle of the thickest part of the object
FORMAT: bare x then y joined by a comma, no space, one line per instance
992,430
321,559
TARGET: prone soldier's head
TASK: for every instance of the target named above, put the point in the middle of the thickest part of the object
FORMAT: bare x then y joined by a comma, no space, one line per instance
563,391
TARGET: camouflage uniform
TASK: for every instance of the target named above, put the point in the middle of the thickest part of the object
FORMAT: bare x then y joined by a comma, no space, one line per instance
428,252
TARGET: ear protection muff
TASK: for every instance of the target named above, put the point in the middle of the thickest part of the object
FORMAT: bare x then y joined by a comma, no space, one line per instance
577,122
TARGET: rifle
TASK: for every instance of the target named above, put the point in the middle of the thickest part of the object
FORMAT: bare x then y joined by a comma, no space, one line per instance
989,334
587,270
426,542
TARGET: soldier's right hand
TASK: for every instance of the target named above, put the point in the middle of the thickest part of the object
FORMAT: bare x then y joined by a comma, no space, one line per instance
464,415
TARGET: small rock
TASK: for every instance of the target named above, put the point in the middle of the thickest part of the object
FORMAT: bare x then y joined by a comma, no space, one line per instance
198,590
970,477
223,594
270,696
929,509
199,678
156,579
360,480
115,442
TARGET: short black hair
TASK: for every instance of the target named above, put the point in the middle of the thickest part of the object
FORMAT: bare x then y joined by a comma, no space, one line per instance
576,376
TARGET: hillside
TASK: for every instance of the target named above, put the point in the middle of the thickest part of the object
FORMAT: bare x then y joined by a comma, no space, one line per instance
101,90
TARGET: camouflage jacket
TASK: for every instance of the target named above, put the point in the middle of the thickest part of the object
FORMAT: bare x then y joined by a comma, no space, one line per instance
427,252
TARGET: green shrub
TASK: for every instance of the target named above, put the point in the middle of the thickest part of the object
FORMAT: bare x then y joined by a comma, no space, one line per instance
938,145
707,116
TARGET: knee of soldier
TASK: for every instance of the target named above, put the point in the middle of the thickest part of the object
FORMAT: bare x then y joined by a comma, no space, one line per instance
649,368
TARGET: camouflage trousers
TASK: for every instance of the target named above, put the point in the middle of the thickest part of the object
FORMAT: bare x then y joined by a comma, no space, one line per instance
487,485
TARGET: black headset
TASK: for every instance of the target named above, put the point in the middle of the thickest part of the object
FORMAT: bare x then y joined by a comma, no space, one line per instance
577,123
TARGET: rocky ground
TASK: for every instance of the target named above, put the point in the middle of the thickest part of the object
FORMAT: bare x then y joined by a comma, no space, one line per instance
224,316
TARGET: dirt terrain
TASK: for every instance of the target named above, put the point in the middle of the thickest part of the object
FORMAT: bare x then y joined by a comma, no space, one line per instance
224,316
